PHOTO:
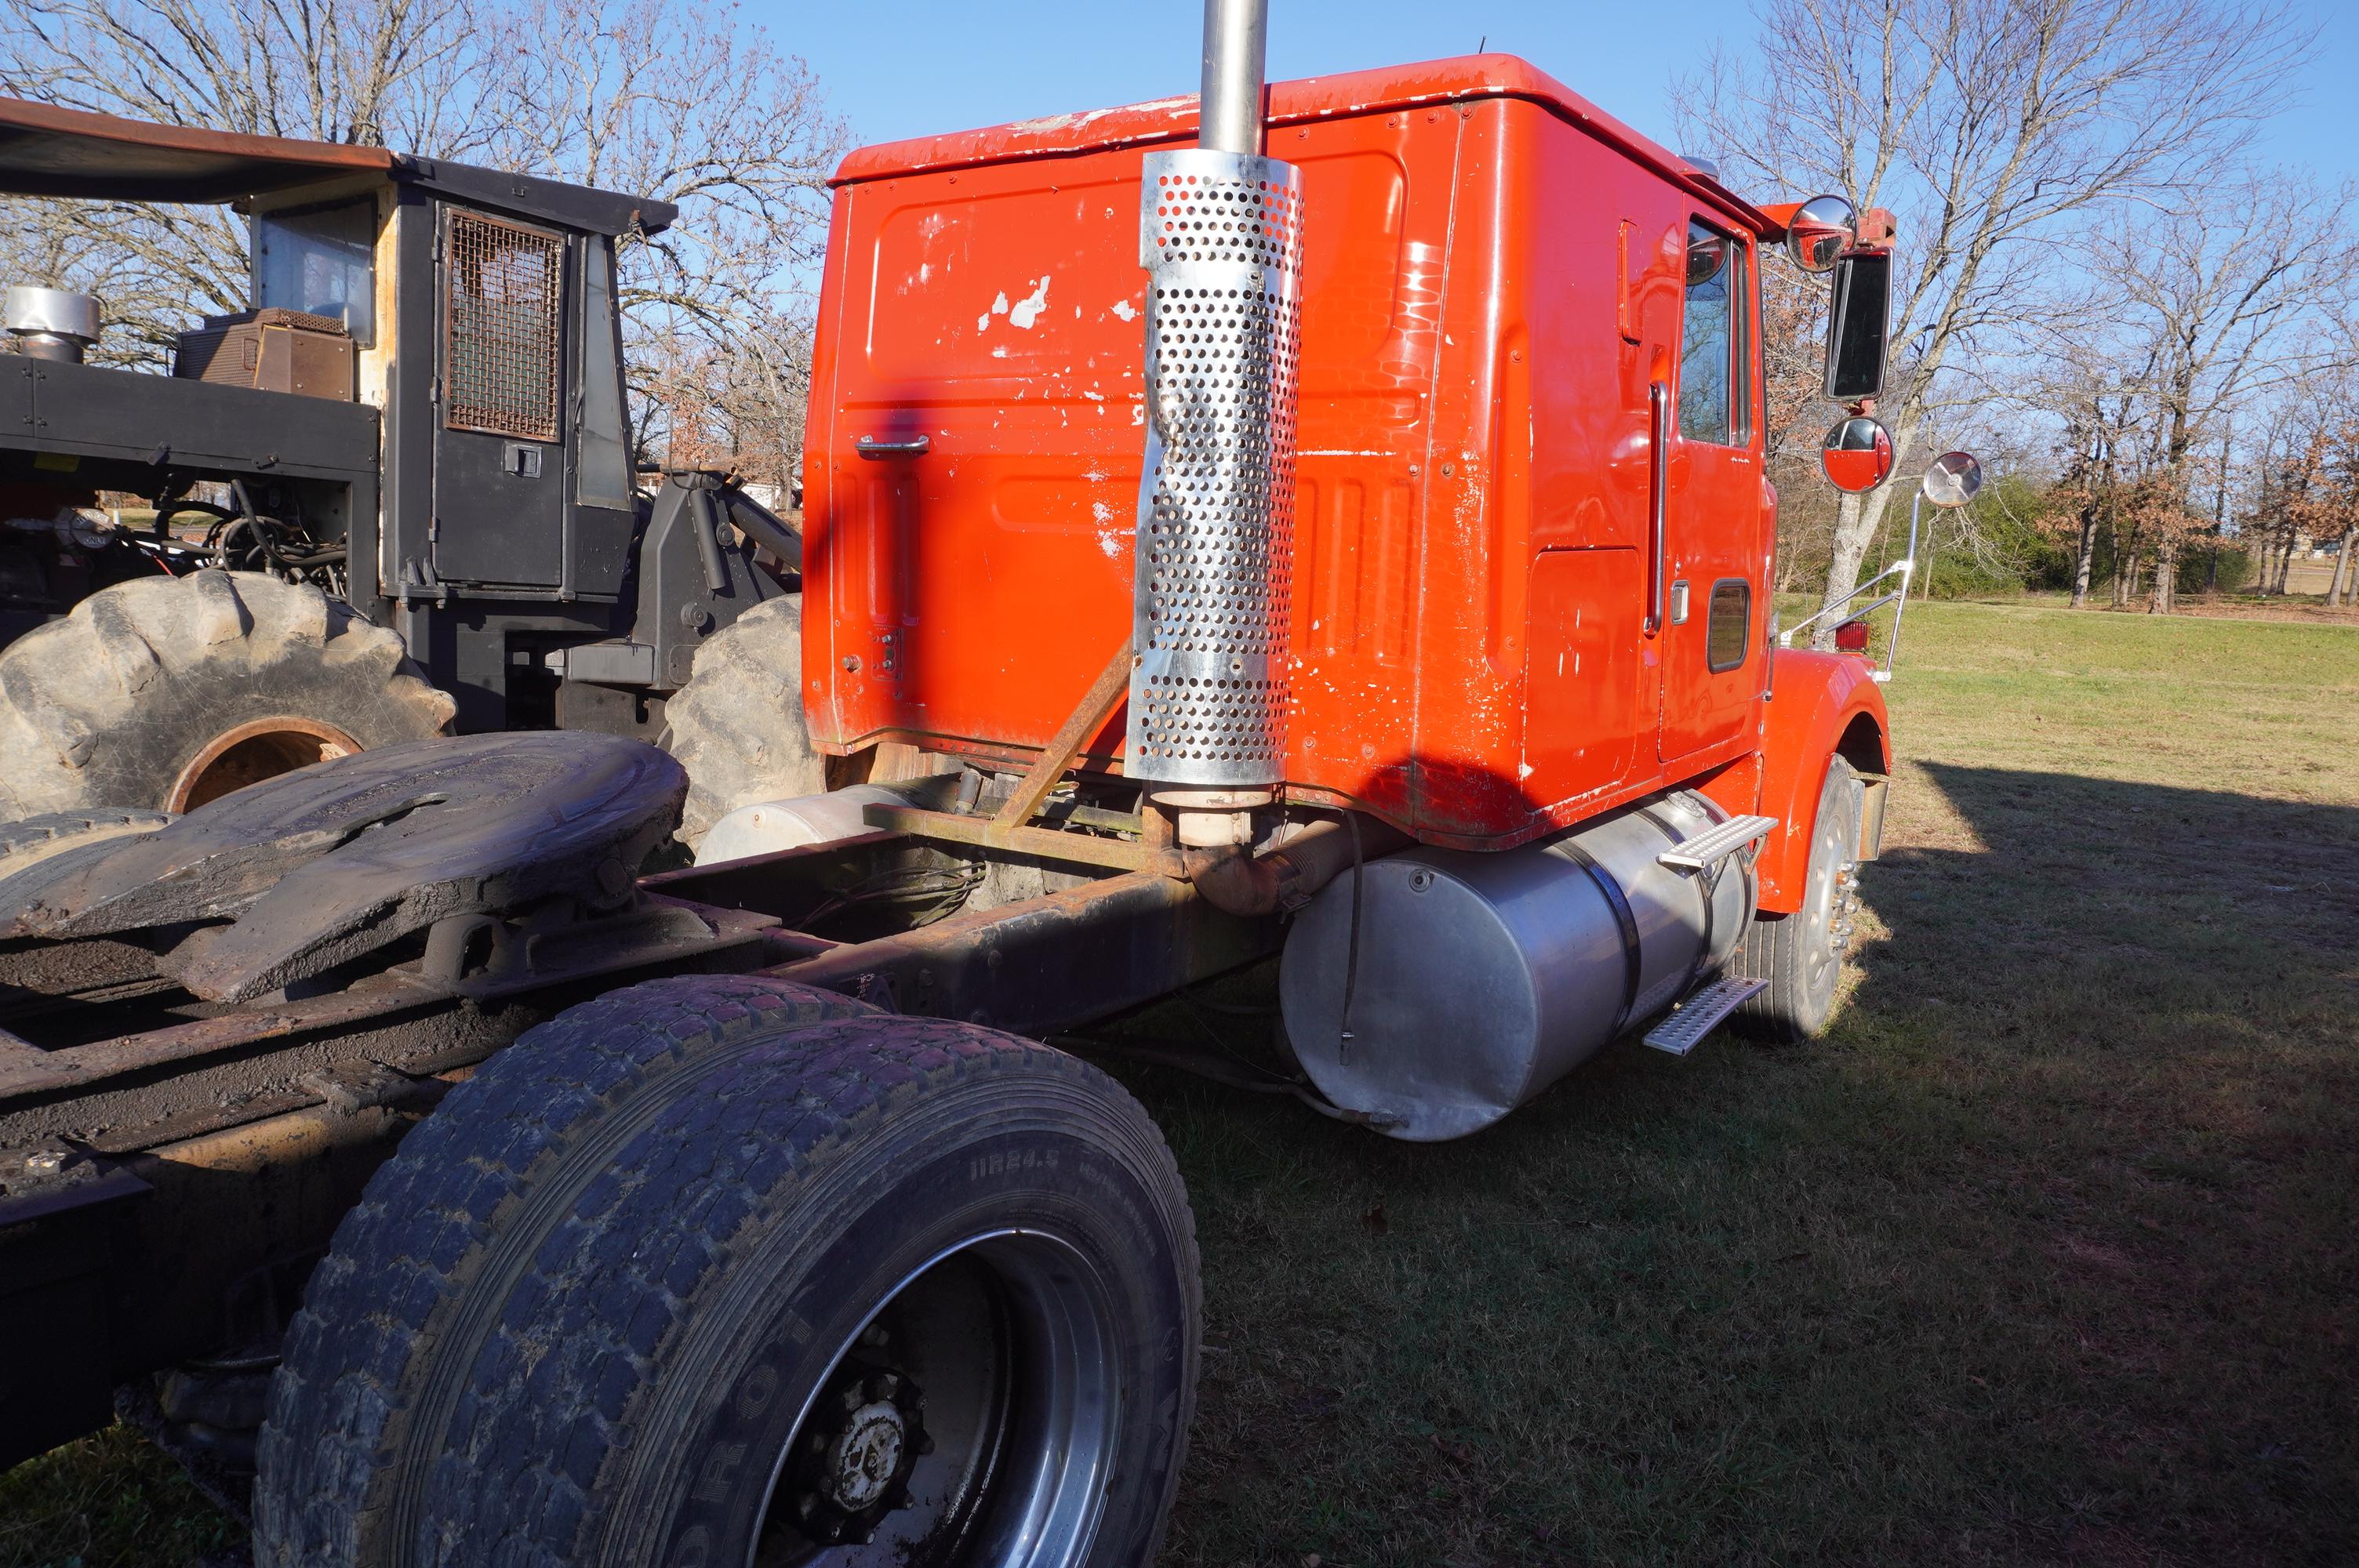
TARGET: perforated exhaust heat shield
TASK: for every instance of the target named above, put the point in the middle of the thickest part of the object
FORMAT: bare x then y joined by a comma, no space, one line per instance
1220,236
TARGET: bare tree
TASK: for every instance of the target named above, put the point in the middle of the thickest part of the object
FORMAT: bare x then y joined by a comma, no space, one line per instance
1994,129
597,92
2219,311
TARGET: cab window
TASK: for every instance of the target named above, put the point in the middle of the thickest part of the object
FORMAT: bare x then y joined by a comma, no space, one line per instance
1714,402
321,262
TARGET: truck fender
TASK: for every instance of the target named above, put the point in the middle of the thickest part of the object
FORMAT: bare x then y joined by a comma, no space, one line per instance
1821,705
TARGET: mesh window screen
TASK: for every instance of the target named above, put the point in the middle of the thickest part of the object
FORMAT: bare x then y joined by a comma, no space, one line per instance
506,289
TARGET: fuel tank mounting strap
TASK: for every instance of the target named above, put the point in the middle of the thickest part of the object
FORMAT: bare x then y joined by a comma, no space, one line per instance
1713,845
1633,955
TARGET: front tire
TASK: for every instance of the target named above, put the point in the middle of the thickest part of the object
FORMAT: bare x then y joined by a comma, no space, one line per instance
1802,954
724,1270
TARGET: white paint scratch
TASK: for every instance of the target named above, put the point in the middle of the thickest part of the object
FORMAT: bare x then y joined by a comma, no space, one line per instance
999,306
1025,311
982,322
1126,310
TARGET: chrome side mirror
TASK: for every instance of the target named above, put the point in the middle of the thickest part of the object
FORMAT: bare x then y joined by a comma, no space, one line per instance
1821,230
1953,479
1863,309
1856,454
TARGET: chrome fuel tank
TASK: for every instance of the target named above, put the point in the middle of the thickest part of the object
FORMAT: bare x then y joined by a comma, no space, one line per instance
1482,978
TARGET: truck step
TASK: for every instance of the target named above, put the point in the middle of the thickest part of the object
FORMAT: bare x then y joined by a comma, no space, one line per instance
1713,845
1702,1010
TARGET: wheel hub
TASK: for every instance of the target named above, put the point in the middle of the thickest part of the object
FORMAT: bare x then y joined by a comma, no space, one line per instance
864,1461
852,1465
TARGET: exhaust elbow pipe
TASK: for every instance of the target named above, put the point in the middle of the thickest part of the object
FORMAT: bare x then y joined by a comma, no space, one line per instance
1238,882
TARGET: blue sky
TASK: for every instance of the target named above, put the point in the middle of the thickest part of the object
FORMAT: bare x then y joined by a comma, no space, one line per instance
906,68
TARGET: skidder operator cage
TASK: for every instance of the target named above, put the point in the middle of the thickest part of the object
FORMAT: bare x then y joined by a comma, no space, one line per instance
1490,273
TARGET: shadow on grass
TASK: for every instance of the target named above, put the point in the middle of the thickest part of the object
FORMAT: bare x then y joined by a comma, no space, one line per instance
2045,1254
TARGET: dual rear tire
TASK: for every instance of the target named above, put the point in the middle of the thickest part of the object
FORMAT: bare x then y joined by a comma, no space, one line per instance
725,1271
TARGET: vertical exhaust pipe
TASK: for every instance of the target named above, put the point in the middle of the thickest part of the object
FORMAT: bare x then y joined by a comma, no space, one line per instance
1236,47
1221,237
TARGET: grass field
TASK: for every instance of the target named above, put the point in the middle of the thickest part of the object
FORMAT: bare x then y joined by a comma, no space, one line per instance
2048,1254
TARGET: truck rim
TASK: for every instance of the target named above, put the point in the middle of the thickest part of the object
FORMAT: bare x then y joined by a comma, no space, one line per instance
1827,907
971,1421
259,749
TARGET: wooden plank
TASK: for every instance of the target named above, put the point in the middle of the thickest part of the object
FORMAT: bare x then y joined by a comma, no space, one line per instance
1103,696
1042,843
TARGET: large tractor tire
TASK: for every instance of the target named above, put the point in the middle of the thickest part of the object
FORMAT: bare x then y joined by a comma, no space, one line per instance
1802,954
165,693
718,1270
737,725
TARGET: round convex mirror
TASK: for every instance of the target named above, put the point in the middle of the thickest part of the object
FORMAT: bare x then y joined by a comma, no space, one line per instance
1707,253
1856,454
1821,228
1953,479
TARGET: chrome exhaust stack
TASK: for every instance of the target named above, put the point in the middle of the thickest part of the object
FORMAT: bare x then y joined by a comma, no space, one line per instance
1220,236
50,323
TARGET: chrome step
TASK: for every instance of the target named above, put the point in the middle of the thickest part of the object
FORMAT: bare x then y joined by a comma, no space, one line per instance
1714,845
1701,1012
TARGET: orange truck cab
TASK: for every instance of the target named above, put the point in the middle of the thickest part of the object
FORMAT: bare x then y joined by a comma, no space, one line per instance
1527,584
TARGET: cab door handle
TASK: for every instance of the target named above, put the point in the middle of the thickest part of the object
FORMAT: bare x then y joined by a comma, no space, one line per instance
874,449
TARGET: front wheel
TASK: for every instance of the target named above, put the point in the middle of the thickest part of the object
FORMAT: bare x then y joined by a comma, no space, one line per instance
719,1270
1800,955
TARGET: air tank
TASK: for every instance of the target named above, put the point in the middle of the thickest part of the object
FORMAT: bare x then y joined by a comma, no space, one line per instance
1481,979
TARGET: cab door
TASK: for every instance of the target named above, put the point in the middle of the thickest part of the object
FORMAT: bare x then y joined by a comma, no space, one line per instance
499,443
1713,502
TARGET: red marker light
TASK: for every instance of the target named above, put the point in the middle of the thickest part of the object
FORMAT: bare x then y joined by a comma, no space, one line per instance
1851,636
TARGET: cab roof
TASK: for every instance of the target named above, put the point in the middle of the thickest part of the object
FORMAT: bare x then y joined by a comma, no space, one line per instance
49,151
1457,80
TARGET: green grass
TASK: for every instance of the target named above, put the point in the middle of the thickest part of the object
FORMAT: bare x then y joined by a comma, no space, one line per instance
2048,1254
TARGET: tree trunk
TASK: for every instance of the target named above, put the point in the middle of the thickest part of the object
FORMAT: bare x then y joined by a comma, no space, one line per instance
2343,589
1857,517
2165,596
2085,559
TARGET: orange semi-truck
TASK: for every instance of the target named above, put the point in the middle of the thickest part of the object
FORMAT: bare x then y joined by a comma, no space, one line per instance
1325,524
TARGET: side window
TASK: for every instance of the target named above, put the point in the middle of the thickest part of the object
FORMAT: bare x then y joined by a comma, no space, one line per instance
605,475
321,262
1715,359
1727,631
